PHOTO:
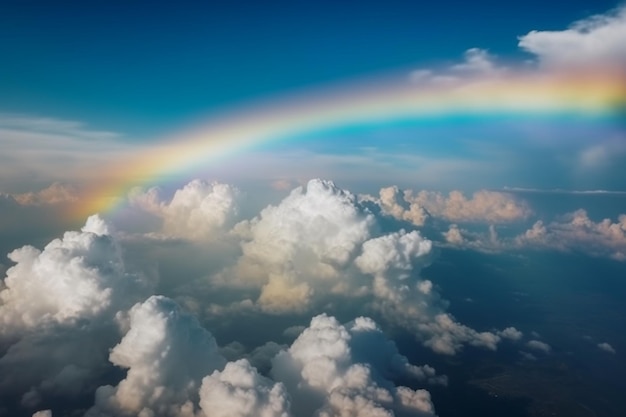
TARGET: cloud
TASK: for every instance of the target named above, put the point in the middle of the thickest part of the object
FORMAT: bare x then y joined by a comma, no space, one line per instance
58,314
454,235
167,353
484,206
595,41
76,321
478,62
511,333
76,277
328,373
606,347
539,346
577,232
200,210
320,243
572,232
37,150
56,193
239,391
401,209
305,241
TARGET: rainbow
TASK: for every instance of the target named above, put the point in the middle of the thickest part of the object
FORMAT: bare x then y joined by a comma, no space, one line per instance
595,95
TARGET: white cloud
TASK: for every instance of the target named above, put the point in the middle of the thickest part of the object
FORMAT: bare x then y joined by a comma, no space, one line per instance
301,245
606,347
539,346
596,41
239,391
484,206
577,232
200,210
76,277
511,333
43,413
58,309
392,205
327,372
454,235
167,353
573,232
402,297
478,62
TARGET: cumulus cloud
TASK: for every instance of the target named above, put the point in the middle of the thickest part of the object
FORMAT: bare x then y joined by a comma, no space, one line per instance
305,241
484,206
539,346
58,309
76,277
200,210
401,209
595,41
577,232
320,242
413,303
572,232
327,371
606,347
454,235
313,251
239,391
167,353
511,333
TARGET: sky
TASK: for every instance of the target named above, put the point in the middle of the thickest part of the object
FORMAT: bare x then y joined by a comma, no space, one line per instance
312,209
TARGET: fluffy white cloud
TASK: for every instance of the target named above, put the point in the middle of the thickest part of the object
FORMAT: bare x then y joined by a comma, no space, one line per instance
573,232
595,41
239,391
411,302
577,232
200,210
454,235
511,333
76,277
331,370
606,347
301,245
58,309
401,209
167,353
320,242
484,206
539,346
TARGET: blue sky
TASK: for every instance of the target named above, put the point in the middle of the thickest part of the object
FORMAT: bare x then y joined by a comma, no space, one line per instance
146,67
84,84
